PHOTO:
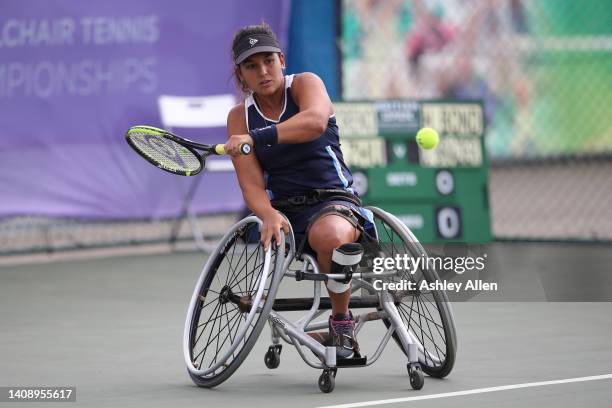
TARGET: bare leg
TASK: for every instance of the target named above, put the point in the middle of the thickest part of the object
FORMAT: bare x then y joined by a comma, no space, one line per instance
326,234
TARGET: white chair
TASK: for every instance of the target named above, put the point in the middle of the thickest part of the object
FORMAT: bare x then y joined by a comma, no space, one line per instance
196,112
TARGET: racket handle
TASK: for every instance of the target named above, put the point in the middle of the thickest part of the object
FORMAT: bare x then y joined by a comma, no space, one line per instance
245,149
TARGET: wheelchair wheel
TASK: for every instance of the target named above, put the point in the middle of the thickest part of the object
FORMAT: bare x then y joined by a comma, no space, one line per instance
426,314
230,304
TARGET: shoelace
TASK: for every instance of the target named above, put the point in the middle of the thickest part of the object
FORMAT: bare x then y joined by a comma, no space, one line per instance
343,327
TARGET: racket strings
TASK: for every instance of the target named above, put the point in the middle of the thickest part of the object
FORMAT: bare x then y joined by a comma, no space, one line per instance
165,152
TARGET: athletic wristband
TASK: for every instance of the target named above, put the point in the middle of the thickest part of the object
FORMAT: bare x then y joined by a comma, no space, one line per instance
266,136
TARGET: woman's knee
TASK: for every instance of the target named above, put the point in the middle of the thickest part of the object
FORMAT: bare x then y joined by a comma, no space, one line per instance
329,233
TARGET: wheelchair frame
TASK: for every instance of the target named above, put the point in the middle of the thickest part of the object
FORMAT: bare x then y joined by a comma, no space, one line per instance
295,333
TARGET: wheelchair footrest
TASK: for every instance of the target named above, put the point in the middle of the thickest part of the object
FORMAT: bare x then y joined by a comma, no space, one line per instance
352,362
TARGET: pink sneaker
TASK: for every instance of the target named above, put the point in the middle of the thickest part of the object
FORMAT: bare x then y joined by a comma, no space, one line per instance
342,335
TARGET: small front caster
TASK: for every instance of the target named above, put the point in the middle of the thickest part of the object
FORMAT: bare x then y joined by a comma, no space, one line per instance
416,376
327,380
272,357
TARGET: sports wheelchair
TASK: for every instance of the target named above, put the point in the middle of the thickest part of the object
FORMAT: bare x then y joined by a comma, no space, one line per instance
236,295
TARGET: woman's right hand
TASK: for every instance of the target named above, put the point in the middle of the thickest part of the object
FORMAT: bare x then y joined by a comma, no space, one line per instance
273,221
234,144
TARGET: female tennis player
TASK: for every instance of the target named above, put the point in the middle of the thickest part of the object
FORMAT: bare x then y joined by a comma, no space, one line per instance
297,173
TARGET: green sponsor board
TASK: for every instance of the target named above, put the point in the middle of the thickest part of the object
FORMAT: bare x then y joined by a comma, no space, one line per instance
356,119
453,151
440,194
364,125
456,119
399,183
402,151
461,129
364,152
471,188
418,217
404,118
398,117
441,222
470,194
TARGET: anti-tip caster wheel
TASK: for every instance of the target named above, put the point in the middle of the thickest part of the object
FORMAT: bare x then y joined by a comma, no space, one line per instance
272,357
416,376
327,381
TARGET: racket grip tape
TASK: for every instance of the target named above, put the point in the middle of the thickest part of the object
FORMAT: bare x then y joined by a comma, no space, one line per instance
219,149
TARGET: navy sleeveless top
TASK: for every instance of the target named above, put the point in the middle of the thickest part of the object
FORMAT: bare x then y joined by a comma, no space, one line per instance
295,169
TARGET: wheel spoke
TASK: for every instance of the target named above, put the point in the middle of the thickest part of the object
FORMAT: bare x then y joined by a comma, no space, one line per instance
230,261
412,310
438,326
216,337
422,333
229,330
433,342
431,335
203,352
235,280
216,355
423,313
256,268
216,318
217,321
209,303
198,326
232,270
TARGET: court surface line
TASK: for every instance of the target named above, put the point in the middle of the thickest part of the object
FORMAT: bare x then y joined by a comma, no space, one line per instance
470,392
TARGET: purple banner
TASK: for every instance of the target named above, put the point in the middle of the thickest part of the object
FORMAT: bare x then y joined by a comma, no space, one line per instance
75,75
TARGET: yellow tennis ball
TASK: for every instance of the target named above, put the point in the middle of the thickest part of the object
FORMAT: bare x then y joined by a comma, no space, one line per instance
427,138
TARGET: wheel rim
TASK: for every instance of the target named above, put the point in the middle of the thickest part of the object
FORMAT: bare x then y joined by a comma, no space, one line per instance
223,313
419,310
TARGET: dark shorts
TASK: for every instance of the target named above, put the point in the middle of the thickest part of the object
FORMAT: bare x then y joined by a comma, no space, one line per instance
306,216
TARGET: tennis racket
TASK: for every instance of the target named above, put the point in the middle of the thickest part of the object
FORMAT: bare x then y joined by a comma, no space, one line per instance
173,153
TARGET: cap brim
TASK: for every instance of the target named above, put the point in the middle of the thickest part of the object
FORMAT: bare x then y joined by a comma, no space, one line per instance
255,50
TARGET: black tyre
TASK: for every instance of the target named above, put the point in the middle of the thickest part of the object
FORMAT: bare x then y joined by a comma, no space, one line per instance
272,357
417,380
327,382
230,304
427,314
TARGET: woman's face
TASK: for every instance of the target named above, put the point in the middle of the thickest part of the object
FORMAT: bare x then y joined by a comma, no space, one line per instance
263,72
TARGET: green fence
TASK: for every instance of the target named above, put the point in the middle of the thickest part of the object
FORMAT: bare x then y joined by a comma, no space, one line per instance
542,69
541,66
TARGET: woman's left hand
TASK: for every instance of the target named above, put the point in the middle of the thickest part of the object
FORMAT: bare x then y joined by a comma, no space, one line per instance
232,146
